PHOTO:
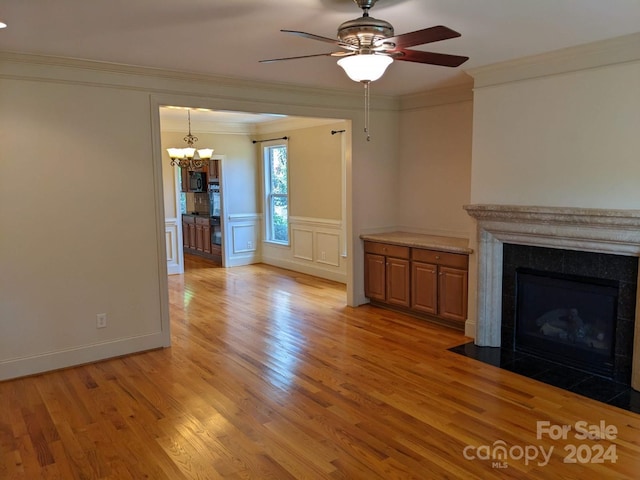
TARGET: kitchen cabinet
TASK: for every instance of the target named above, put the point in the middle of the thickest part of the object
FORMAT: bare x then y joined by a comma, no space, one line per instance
188,231
185,174
196,237
374,276
439,283
388,273
203,235
214,170
422,281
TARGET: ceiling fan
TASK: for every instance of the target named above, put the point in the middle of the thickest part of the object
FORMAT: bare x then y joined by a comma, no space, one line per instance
369,45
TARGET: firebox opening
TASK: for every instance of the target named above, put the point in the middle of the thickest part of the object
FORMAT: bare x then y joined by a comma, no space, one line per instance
566,318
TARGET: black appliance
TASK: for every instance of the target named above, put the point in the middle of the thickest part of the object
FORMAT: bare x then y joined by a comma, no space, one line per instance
214,199
216,230
197,182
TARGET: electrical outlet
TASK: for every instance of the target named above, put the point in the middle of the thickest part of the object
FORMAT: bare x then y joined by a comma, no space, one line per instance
101,320
249,244
323,256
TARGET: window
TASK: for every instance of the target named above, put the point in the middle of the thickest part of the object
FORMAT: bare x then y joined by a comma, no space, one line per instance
276,194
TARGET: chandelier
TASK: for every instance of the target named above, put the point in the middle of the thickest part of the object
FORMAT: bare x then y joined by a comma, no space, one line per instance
189,157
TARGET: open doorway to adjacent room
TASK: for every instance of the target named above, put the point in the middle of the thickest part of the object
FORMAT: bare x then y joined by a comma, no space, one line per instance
224,202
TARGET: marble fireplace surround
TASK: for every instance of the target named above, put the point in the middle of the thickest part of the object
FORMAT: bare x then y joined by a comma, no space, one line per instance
587,229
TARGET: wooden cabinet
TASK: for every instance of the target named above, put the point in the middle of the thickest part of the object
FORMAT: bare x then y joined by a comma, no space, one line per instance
214,170
203,235
452,288
424,287
374,276
196,236
185,175
188,231
439,283
387,273
422,281
398,276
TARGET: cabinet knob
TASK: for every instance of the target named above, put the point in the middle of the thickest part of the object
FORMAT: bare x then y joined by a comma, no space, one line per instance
437,257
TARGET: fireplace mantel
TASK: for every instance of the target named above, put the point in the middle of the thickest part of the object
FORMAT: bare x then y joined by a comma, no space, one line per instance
592,230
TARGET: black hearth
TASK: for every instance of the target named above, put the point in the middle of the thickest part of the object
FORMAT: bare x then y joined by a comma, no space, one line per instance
569,319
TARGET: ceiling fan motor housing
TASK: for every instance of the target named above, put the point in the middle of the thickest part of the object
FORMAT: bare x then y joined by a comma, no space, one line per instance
363,32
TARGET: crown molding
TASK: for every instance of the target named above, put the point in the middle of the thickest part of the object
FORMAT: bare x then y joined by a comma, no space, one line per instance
244,128
440,96
18,65
582,57
292,123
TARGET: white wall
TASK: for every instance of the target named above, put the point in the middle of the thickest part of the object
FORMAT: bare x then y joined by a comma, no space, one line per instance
559,129
435,163
78,221
90,236
317,227
564,140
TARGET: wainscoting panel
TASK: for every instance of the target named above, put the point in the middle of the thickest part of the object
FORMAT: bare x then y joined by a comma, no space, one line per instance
328,248
243,239
315,249
302,243
172,237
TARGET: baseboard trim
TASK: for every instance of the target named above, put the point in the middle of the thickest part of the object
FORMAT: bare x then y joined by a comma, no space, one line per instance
21,367
339,277
470,329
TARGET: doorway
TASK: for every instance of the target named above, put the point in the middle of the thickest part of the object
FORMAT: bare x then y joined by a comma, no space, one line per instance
318,226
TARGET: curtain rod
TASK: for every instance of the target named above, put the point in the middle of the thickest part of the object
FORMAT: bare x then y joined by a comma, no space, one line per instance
270,139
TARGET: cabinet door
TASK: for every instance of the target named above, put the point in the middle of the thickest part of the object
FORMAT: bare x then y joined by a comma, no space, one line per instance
214,170
206,238
199,238
185,234
184,179
398,276
452,283
192,235
424,287
374,277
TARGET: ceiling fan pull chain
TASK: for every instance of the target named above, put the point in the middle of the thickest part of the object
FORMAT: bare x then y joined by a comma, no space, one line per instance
367,100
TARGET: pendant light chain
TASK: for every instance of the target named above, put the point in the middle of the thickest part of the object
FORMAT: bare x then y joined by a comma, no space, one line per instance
367,102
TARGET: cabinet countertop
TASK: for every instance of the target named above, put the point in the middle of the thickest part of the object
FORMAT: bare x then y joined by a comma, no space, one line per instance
419,240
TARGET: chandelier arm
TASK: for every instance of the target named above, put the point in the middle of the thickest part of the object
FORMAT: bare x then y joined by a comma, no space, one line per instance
189,158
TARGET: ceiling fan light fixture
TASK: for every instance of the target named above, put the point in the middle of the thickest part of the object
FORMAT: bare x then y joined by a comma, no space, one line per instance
365,67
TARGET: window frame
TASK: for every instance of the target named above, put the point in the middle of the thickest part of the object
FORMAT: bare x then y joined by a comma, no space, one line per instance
269,196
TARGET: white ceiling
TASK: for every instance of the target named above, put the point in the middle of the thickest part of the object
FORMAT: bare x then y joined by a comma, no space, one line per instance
228,37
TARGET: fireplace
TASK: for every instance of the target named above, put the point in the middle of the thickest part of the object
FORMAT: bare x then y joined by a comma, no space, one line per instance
567,318
611,241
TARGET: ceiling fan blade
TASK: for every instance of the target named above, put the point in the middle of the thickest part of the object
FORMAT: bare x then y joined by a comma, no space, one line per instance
330,54
321,39
419,37
431,58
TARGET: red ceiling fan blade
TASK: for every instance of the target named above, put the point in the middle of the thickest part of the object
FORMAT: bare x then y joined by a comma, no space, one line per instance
419,37
431,58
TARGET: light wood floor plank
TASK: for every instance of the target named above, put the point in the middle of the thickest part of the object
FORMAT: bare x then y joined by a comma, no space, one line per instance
271,376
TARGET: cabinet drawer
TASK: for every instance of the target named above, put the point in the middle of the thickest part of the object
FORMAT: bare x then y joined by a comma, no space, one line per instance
386,249
202,220
188,219
441,258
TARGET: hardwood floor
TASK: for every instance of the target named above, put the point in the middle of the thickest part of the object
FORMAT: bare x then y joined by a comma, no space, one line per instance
271,376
